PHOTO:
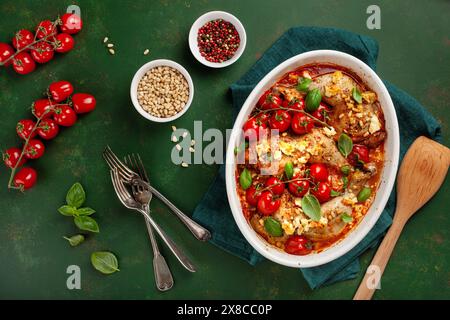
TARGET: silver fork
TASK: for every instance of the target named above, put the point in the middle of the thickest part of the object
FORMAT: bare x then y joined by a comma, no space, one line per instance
128,201
163,276
127,175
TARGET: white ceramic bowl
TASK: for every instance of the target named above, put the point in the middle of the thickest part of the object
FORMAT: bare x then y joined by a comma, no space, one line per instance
214,15
388,175
142,71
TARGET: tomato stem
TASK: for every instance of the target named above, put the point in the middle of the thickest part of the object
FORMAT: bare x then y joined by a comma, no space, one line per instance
295,110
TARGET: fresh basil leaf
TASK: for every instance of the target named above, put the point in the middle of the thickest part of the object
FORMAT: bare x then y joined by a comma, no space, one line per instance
75,240
345,144
86,223
303,84
345,170
346,217
245,179
85,211
357,95
76,196
312,100
345,182
273,227
364,194
105,262
335,193
67,210
311,207
289,170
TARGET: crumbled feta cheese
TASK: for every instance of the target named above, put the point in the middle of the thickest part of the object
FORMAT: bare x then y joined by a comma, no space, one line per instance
323,220
277,155
298,202
329,131
288,227
375,124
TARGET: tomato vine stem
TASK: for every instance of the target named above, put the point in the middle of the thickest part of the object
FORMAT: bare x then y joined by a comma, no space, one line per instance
295,110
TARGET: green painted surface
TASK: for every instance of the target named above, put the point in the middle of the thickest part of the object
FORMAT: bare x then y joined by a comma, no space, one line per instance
414,54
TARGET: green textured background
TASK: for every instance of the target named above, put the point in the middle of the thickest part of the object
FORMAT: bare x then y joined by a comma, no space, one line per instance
414,54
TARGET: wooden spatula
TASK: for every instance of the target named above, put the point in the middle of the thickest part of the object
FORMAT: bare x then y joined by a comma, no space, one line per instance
421,173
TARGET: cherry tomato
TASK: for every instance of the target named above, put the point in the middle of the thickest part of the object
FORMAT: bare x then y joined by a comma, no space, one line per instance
297,245
280,120
301,123
263,98
45,28
35,149
42,52
22,38
24,129
295,104
83,102
254,126
60,90
276,185
322,192
359,154
71,23
272,102
321,113
41,106
64,43
25,178
252,196
319,172
6,51
48,129
266,204
23,63
298,188
11,156
65,116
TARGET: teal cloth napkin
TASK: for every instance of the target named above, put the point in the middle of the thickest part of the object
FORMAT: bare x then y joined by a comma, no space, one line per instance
214,212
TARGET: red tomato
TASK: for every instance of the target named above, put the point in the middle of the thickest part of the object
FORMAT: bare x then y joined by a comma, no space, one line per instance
45,28
319,172
280,120
42,52
254,126
298,188
24,129
359,154
71,23
65,116
321,113
252,196
60,90
297,245
11,156
35,149
23,63
301,123
295,104
276,186
64,43
25,178
266,204
41,106
22,38
83,102
272,102
322,192
48,129
263,98
6,51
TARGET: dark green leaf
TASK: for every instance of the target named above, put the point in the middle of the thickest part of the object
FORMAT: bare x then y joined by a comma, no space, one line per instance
76,196
364,194
105,262
311,207
85,211
86,223
345,170
67,210
245,179
273,227
289,170
312,100
346,217
335,193
357,95
75,240
303,84
345,144
345,182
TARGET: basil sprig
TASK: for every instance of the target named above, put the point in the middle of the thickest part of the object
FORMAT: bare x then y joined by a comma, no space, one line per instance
357,95
105,262
346,218
345,144
313,99
311,207
273,227
75,240
364,194
289,170
303,84
245,179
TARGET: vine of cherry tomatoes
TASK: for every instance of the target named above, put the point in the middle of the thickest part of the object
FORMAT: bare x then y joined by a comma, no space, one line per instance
60,109
29,48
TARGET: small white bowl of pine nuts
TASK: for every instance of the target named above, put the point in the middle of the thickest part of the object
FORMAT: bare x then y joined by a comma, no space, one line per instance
162,90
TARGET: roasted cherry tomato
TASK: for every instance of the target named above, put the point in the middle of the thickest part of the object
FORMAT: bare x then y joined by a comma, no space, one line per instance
23,63
6,51
48,129
42,52
254,126
60,90
35,149
65,116
252,196
41,106
280,120
296,104
321,113
322,192
319,172
272,102
262,99
45,28
24,129
22,38
71,23
359,155
64,43
301,123
267,205
275,185
298,188
25,178
83,102
297,245
11,156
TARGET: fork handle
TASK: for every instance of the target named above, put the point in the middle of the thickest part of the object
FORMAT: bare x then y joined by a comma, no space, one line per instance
197,230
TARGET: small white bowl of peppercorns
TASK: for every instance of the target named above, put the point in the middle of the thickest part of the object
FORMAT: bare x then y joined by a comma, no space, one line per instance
217,39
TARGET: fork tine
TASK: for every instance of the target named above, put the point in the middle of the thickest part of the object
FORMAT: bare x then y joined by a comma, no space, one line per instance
115,183
141,165
117,160
137,166
114,164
